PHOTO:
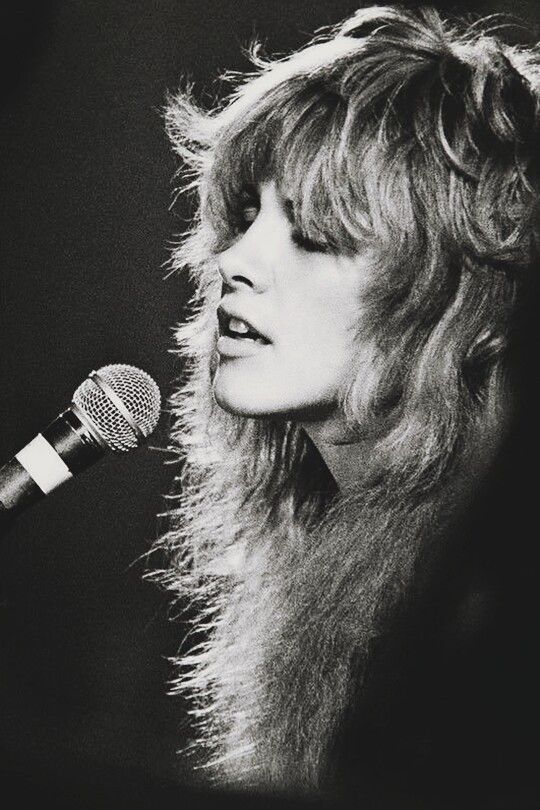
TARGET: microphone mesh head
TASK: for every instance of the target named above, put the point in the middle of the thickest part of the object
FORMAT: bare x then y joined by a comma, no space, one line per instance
139,395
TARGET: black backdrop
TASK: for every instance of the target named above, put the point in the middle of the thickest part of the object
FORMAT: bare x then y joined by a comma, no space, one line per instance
85,176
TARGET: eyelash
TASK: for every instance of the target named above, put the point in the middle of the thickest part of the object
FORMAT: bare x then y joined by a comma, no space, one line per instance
242,223
307,244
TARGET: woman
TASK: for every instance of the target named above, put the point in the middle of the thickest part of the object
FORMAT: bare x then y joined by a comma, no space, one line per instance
366,228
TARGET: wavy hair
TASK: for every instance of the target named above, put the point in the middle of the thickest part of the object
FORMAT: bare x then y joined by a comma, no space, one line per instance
416,138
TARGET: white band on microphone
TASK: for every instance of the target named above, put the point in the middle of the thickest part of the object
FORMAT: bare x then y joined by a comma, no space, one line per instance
43,464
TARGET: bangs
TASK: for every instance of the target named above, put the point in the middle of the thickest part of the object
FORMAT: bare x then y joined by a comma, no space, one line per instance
294,136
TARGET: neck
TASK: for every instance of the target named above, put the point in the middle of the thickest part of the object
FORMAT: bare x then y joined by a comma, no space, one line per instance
343,453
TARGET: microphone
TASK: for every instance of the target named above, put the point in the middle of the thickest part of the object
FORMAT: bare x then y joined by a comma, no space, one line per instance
114,409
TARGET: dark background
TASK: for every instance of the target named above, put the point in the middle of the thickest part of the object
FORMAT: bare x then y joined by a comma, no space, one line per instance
86,186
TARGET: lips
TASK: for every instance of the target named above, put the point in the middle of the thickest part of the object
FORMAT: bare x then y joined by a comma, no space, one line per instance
225,312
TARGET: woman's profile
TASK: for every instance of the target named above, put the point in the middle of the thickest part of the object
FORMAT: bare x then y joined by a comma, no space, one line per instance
366,232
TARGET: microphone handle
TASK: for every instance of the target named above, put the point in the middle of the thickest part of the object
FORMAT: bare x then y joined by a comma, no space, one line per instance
66,446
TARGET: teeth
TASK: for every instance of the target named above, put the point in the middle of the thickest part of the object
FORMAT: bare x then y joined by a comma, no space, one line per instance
236,325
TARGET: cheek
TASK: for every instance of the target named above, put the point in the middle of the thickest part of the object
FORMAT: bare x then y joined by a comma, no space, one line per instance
319,351
316,358
326,330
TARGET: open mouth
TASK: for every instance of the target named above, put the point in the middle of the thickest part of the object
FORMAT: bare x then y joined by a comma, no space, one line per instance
240,330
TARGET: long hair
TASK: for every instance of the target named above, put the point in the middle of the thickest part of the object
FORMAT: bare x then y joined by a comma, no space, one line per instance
402,134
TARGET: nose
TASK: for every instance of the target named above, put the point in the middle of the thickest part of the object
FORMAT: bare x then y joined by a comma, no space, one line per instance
246,263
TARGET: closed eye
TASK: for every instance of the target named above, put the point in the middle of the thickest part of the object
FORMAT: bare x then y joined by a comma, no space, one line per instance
305,243
300,239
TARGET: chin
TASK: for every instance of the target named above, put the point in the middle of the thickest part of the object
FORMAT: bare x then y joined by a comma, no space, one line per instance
239,393
255,393
240,405
237,402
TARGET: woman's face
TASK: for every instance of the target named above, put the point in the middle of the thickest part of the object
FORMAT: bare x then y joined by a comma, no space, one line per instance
303,302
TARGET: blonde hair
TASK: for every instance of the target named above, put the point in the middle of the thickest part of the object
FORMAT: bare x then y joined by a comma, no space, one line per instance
417,138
